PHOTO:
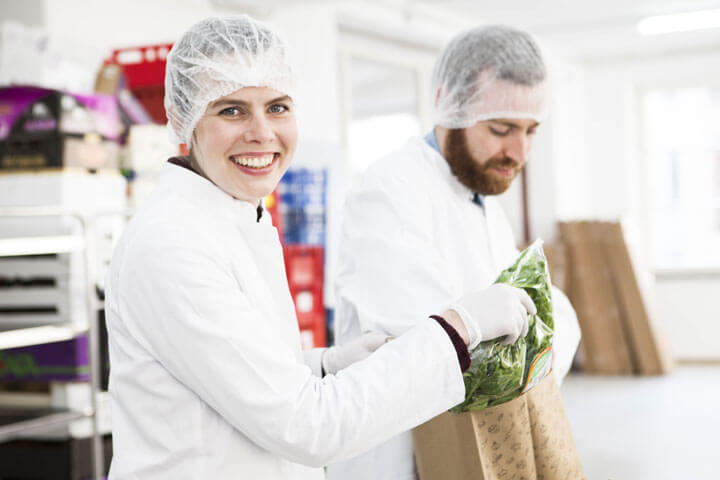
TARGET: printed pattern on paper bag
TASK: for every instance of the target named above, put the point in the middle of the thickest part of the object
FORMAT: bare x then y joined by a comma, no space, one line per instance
556,455
504,441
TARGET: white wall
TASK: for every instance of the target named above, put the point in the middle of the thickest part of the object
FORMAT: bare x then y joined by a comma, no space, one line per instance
688,314
313,45
105,25
28,12
601,174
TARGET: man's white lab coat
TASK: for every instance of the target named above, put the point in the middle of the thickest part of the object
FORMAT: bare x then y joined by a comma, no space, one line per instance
208,380
413,241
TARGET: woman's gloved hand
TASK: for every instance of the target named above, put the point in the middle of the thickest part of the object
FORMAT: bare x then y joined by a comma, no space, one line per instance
336,358
497,311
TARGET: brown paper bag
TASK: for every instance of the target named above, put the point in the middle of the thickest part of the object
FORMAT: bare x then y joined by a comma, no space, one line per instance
527,438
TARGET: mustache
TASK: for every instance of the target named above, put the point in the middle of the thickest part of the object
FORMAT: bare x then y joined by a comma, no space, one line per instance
503,162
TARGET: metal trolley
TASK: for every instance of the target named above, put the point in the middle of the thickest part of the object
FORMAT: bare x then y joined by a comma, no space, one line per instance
15,422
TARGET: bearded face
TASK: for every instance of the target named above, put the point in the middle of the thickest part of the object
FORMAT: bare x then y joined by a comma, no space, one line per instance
487,176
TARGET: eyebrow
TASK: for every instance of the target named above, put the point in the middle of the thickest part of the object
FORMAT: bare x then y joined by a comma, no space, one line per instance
510,123
229,102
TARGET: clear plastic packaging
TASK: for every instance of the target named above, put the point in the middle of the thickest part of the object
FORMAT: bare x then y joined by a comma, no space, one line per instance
498,373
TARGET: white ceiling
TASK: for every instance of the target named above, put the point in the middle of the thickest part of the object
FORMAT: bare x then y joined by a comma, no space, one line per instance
588,29
585,29
540,16
551,16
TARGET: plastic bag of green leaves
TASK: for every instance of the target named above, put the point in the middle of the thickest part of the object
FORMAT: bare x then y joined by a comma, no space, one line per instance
498,373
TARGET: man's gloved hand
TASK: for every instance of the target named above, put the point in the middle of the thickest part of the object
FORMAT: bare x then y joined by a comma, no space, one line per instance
497,311
336,358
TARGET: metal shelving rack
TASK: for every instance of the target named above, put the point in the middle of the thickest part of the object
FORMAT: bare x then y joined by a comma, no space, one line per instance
19,421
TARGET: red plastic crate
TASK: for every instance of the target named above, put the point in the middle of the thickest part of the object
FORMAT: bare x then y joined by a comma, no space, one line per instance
311,320
305,270
313,337
309,305
144,69
304,265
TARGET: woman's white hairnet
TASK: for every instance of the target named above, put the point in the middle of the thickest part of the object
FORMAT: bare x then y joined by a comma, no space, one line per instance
216,57
488,72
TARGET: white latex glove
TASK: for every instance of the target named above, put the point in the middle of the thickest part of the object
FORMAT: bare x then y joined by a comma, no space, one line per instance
497,311
336,358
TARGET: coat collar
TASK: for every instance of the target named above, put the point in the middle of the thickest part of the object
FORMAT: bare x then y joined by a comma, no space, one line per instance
199,191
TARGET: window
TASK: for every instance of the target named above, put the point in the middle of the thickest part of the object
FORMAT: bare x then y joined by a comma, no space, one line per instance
682,143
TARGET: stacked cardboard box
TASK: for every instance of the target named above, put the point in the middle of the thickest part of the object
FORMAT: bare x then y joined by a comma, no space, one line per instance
556,256
42,128
304,266
302,206
618,334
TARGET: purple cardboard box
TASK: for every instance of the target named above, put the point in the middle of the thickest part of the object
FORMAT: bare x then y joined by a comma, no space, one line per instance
42,128
66,360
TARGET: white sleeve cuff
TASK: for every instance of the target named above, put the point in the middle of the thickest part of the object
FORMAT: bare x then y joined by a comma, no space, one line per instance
313,359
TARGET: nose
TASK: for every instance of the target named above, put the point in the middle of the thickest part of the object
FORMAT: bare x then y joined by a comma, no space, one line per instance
259,130
517,147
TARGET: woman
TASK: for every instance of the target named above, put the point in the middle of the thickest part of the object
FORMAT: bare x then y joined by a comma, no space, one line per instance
208,380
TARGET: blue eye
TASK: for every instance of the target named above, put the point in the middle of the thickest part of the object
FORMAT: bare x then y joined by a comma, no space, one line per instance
229,112
278,108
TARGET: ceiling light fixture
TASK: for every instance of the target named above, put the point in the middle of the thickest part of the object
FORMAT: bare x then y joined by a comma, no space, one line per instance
679,22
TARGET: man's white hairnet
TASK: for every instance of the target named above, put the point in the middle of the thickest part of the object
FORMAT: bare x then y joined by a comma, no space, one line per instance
488,72
216,57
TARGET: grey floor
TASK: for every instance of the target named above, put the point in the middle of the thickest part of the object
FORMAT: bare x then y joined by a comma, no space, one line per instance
647,428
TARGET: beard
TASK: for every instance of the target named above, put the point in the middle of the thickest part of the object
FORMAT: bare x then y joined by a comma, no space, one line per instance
478,177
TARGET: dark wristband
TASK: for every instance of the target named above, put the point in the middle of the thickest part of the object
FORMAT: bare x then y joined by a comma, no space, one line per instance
463,353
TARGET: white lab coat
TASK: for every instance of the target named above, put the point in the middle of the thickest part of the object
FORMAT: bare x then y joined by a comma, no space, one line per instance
208,380
413,241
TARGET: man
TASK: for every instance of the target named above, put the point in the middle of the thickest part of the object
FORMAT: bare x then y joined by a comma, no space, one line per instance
422,226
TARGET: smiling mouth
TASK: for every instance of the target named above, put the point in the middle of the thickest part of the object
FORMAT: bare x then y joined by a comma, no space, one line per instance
254,161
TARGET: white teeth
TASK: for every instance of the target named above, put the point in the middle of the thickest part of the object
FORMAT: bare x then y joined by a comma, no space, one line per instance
254,162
